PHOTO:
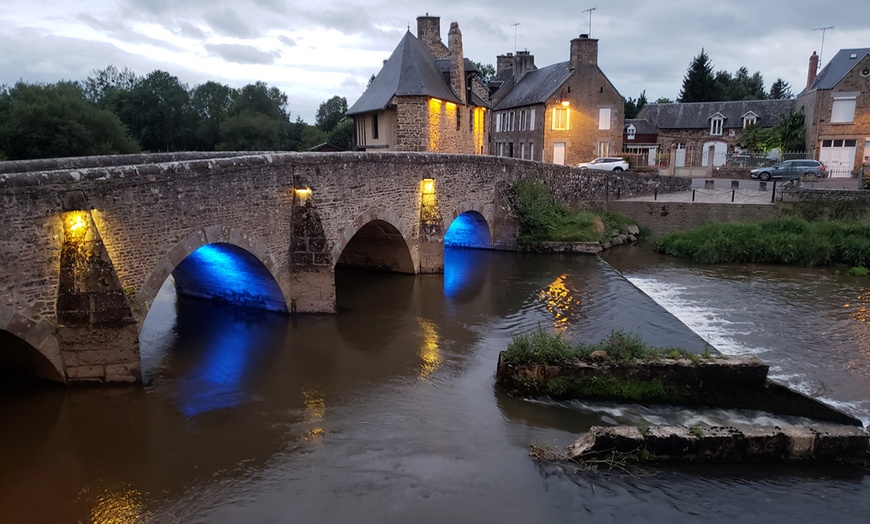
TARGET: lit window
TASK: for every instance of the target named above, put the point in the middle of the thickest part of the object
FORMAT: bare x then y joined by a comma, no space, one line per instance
630,132
561,118
716,125
603,148
843,110
604,118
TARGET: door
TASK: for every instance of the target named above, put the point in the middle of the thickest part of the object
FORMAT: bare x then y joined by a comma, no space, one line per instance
720,152
559,153
680,152
839,157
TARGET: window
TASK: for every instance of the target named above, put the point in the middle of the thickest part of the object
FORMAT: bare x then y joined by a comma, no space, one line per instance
523,120
511,122
843,110
716,124
375,126
604,118
630,132
532,120
603,148
749,119
532,149
561,117
523,150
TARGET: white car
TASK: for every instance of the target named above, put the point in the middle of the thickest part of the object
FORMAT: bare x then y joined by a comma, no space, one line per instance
606,164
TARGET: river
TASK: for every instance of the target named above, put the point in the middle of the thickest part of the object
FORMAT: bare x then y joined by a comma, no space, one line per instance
387,411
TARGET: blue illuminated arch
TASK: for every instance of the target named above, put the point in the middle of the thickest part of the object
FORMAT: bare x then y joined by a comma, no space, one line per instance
229,274
469,229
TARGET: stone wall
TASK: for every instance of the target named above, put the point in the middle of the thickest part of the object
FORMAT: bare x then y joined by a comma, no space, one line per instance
669,217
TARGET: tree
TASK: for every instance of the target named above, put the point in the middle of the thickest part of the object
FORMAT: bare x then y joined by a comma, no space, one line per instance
786,135
633,107
780,90
487,71
699,84
740,85
330,113
102,85
342,135
209,103
663,100
55,120
157,112
257,120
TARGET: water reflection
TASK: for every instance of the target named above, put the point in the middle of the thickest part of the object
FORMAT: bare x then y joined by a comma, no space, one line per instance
465,272
860,311
314,400
120,505
430,350
559,299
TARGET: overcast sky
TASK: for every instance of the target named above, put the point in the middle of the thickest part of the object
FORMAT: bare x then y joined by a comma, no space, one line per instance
317,49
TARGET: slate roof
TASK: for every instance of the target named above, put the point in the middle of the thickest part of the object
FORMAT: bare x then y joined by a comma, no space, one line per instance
410,71
536,86
837,68
642,126
696,115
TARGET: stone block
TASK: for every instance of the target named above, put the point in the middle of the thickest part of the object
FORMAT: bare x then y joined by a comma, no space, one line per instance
85,373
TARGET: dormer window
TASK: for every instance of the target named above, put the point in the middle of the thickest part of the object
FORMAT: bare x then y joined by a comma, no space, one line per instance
749,119
630,132
717,122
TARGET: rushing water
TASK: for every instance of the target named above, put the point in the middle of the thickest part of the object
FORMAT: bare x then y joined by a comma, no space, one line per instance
387,411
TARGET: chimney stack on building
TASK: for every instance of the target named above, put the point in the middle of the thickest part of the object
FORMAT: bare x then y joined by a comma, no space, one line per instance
584,51
457,61
811,72
522,64
503,63
429,32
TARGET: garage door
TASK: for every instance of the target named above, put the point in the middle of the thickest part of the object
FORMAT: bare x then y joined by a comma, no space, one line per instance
839,157
720,151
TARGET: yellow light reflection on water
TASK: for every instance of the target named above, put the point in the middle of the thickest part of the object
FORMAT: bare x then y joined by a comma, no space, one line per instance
430,350
119,506
860,311
560,301
314,400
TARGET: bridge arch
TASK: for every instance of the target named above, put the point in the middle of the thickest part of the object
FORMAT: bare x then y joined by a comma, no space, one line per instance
377,239
469,226
30,346
251,254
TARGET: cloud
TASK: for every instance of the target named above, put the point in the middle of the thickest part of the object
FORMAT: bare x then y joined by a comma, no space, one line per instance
228,23
243,54
286,40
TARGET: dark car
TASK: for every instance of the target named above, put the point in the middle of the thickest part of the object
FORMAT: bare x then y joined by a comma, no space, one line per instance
791,169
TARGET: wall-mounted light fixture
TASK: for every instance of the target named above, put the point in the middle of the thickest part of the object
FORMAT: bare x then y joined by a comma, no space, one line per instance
429,202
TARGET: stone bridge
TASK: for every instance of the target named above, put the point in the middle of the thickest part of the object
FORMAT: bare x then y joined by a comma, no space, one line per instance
86,244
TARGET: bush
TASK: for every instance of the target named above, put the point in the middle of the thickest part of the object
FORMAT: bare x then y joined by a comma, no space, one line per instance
541,347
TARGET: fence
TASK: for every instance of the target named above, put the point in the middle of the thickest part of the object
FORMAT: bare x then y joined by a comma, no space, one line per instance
693,162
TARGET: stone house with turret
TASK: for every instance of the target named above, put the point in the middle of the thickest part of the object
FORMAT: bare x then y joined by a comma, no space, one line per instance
426,97
565,113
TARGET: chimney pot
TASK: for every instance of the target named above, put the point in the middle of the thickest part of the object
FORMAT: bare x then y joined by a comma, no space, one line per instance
811,71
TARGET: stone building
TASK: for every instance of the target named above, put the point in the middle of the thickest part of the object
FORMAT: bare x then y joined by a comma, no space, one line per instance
688,130
427,97
836,106
563,113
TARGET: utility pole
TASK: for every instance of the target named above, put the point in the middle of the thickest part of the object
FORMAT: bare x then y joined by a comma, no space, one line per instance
821,49
515,36
590,18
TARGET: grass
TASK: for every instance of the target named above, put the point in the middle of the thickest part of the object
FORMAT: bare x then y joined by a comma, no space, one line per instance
540,347
787,240
543,218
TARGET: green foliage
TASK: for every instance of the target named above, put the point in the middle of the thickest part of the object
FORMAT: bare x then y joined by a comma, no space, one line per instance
780,90
540,347
786,135
156,112
487,71
859,272
699,84
342,135
209,104
55,120
330,113
740,85
610,388
250,132
786,240
633,107
696,431
543,218
104,85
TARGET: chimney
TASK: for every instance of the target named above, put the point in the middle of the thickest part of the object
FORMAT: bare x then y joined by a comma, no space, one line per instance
503,63
523,63
457,61
811,72
584,51
429,32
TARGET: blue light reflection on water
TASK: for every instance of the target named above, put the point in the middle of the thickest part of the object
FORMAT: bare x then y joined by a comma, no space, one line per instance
465,271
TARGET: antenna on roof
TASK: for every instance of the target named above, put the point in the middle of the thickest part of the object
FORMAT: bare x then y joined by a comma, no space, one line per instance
515,36
823,30
590,18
